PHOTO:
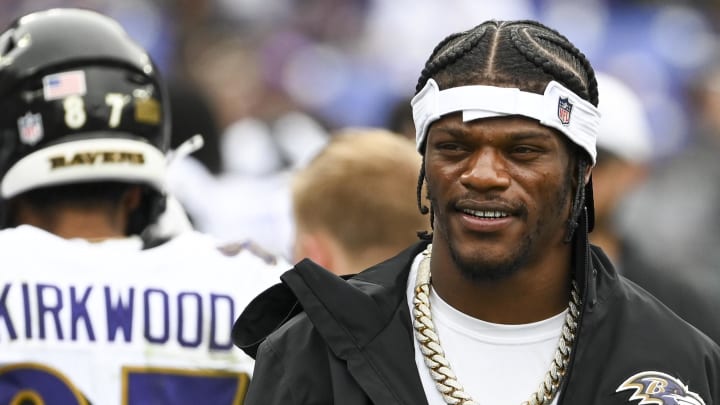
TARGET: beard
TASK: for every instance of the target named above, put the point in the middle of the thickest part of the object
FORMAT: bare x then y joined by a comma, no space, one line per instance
478,267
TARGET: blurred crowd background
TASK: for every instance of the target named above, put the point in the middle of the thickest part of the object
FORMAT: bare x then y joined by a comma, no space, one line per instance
268,81
348,62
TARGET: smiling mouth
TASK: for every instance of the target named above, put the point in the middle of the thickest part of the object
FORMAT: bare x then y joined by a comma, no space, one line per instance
486,214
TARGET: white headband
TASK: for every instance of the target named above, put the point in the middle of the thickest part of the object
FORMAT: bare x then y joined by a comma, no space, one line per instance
557,108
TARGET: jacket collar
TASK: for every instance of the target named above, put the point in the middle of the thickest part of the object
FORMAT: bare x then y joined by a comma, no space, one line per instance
367,323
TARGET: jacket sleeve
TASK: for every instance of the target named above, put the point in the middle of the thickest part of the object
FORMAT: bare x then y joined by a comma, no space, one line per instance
291,368
269,383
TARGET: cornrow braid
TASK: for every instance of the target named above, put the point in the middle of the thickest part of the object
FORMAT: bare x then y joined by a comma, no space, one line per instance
551,51
449,50
578,200
421,180
431,64
422,207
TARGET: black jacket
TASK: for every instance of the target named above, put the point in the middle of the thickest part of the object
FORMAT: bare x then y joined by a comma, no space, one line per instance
351,342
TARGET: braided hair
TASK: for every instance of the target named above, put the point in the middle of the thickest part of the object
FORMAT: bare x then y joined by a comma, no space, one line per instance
524,54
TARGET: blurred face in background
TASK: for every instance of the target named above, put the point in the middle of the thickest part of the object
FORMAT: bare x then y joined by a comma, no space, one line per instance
613,179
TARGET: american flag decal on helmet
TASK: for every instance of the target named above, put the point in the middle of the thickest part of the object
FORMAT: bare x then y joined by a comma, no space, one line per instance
564,109
656,388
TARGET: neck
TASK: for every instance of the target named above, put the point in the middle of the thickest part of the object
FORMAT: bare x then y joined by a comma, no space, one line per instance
535,292
70,223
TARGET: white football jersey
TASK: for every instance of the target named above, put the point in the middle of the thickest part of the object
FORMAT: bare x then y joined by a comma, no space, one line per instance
110,323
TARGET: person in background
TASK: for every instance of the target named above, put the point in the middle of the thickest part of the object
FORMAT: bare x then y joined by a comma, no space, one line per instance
354,203
264,135
664,225
678,204
506,302
624,146
93,307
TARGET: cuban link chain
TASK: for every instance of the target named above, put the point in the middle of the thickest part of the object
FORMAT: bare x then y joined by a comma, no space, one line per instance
445,380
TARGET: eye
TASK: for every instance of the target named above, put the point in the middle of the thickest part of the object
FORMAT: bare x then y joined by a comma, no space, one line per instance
522,149
449,146
525,152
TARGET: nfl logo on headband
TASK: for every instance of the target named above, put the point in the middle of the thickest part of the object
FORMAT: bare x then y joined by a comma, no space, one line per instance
564,110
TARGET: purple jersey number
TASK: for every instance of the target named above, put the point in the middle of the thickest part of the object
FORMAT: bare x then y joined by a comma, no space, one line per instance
32,383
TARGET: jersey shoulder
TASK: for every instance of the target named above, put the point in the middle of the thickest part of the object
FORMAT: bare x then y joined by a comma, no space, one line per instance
195,247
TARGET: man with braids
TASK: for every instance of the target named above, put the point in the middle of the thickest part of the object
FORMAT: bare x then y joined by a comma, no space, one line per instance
506,302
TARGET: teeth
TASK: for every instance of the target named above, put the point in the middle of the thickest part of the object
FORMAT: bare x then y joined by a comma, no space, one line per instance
486,214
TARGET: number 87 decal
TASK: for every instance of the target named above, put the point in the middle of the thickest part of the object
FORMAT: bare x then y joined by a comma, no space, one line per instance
32,383
76,117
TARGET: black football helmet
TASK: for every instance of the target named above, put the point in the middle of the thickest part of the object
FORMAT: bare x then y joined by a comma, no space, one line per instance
80,101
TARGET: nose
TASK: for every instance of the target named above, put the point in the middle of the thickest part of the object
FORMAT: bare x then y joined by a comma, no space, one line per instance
486,170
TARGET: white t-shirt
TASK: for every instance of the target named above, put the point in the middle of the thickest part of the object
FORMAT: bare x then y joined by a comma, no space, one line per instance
496,364
121,325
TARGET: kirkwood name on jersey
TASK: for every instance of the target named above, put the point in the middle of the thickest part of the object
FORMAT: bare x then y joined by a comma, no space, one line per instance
111,313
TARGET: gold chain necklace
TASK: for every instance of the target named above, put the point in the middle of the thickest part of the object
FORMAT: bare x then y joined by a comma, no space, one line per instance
445,380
